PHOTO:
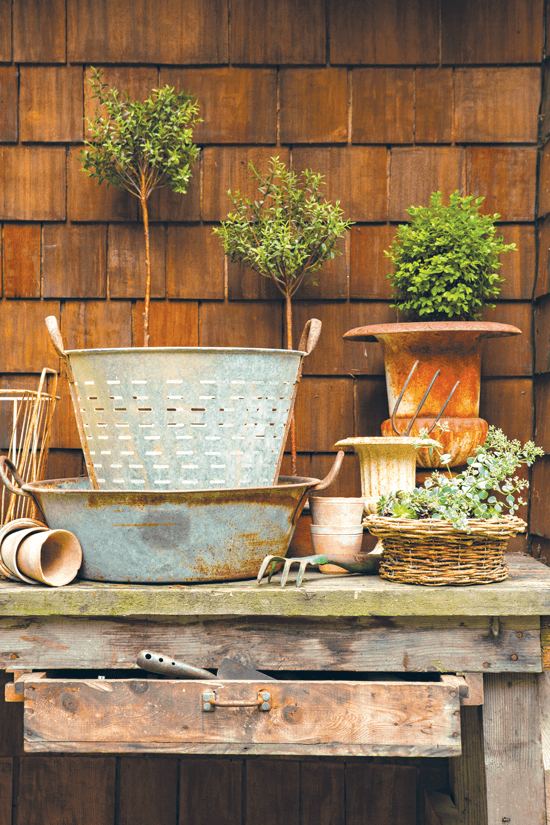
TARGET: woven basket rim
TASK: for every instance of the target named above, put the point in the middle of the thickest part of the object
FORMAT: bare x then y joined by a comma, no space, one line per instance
509,525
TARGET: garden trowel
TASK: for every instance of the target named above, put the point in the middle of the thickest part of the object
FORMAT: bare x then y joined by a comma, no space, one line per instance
166,666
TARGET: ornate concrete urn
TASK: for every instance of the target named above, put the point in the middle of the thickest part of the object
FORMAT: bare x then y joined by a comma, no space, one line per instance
452,347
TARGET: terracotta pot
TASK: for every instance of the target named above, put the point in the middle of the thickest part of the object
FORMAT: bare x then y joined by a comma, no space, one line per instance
52,557
336,541
9,550
454,348
336,511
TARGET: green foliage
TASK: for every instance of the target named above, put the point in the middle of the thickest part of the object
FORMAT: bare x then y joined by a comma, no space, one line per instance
289,232
141,145
446,260
487,488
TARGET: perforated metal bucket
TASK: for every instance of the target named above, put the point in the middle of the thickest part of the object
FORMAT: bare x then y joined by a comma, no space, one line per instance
184,419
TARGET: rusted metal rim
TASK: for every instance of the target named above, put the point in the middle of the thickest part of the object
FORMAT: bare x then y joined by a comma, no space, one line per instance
487,329
141,350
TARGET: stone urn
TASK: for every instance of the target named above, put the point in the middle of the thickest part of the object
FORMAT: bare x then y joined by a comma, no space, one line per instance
452,347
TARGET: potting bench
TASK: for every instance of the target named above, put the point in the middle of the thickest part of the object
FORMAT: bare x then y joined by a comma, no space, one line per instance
400,671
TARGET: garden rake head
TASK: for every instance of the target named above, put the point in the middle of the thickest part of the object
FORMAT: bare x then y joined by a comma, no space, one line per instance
361,563
407,432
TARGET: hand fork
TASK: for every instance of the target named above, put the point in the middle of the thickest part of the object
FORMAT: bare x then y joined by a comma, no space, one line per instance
364,563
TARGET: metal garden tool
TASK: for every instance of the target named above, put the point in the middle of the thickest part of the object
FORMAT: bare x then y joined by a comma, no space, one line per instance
407,432
166,666
365,563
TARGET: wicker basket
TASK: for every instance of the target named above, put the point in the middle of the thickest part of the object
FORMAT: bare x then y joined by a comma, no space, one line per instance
433,552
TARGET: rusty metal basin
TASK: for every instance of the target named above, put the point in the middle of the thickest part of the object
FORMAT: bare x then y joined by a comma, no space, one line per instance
172,537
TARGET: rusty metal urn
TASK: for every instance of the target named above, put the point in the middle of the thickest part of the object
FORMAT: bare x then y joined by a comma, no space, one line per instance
454,348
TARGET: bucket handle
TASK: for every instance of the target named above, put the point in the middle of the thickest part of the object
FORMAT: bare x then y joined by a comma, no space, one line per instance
333,473
310,336
7,464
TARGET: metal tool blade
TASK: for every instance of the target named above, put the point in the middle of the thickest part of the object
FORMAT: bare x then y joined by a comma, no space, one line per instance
233,669
166,666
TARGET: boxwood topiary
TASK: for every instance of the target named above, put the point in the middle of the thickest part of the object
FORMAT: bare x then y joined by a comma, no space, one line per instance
446,260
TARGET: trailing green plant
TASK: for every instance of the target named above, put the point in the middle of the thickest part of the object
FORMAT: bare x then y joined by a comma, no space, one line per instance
286,234
141,146
488,488
446,260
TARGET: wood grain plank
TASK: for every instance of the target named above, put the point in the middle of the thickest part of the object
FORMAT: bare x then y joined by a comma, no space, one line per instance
512,748
419,171
96,324
313,105
21,260
142,712
226,168
369,265
5,31
167,32
278,32
508,403
67,789
468,31
397,645
540,490
542,286
33,183
497,105
506,177
65,463
171,324
6,782
544,183
542,399
211,792
322,793
348,483
23,321
74,261
194,263
51,101
383,105
245,284
275,800
369,32
467,772
11,724
324,413
9,95
135,81
542,335
148,791
377,794
126,260
332,278
511,356
39,31
434,92
240,325
518,266
88,201
441,810
223,92
371,405
348,172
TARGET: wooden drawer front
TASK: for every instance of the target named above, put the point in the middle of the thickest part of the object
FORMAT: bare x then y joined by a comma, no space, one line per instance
329,717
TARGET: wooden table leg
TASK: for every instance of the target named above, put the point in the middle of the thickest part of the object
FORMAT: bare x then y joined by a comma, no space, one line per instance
467,772
513,750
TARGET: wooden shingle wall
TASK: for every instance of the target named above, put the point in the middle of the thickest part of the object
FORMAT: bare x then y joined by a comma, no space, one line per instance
390,101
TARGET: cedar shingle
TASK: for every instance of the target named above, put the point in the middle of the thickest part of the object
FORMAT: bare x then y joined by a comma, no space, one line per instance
518,268
194,263
509,356
542,335
171,324
494,31
349,172
236,105
324,413
51,104
314,105
369,265
543,273
434,105
497,105
8,104
33,183
507,403
539,495
389,32
167,31
226,167
278,32
332,278
88,201
21,260
383,106
240,325
126,260
5,31
507,179
96,324
23,327
136,81
419,171
544,182
39,31
74,261
244,284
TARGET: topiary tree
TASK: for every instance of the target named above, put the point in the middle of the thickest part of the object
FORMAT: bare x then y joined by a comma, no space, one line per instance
141,146
287,234
446,260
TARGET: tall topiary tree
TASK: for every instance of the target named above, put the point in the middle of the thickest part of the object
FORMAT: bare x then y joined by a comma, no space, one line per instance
287,234
141,146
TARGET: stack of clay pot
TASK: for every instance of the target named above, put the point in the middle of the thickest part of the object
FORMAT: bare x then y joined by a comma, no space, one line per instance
336,528
31,552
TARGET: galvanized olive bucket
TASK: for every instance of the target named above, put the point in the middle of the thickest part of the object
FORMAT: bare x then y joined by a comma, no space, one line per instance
186,418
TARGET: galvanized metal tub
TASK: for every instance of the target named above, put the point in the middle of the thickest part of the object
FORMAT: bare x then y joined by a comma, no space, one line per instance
183,418
173,537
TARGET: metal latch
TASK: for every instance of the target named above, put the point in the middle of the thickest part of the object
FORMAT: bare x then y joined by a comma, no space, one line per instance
210,702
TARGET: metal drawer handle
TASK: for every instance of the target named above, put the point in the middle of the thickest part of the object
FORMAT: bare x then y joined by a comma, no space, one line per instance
210,703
